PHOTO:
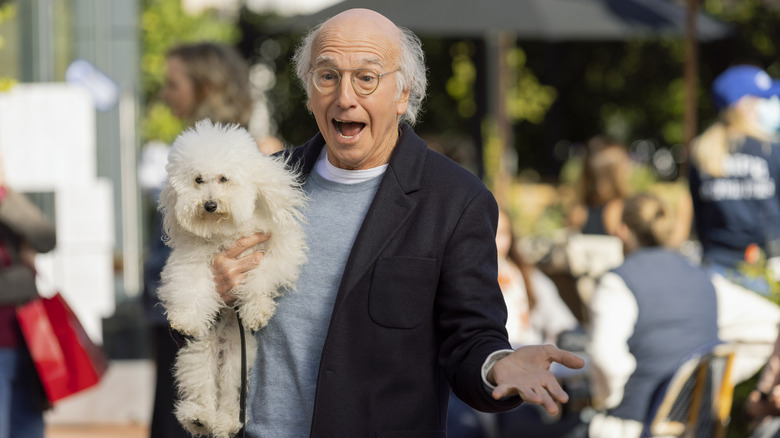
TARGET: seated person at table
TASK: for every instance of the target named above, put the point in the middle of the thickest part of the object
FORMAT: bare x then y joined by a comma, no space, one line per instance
642,324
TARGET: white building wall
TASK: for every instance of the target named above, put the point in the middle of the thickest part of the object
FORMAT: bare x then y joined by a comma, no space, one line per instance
47,142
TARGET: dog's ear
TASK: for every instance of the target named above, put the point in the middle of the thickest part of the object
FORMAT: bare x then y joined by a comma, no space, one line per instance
279,191
167,207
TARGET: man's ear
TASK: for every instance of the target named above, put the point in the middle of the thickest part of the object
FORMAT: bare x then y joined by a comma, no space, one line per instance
403,102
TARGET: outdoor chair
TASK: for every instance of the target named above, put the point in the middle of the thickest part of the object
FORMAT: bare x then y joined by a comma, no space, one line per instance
697,400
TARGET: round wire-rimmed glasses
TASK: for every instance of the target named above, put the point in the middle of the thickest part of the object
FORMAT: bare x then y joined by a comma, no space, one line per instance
364,81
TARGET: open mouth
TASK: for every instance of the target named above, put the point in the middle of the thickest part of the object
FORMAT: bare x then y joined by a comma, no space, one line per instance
348,129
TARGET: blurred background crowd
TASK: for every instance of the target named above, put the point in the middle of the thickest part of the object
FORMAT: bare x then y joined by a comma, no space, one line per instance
565,109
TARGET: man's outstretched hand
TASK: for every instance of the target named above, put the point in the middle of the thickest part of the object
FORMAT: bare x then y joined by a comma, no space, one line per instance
526,373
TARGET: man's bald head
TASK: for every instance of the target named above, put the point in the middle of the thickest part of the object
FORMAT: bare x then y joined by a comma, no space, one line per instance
403,47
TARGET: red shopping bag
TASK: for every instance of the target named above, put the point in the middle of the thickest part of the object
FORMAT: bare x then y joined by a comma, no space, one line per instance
65,357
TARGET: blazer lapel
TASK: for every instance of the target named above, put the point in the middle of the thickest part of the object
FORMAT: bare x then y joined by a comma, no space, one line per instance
392,205
303,158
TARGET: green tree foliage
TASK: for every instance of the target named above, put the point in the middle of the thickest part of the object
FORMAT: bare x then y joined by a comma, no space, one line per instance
757,33
460,86
164,23
527,99
452,106
7,11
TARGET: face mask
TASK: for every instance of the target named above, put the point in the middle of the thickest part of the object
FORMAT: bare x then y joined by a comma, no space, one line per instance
769,114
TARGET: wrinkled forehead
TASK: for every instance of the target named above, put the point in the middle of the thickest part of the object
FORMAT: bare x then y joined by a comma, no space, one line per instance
362,40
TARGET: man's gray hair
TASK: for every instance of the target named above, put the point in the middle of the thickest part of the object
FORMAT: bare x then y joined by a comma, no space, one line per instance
412,74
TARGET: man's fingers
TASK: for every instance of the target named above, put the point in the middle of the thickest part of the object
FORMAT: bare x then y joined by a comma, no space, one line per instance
566,358
549,405
245,243
544,397
230,272
557,393
504,391
537,396
548,395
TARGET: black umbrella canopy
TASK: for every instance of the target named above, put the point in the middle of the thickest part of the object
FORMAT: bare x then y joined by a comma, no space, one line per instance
547,20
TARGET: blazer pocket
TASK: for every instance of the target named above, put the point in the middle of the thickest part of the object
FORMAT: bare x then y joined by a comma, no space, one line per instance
402,291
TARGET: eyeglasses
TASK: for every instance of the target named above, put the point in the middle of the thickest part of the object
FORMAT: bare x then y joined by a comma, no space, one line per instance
364,81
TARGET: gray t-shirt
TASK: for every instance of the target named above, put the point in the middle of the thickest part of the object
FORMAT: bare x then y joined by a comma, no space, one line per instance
284,377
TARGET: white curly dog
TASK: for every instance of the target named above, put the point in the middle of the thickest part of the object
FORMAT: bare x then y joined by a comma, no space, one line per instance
221,188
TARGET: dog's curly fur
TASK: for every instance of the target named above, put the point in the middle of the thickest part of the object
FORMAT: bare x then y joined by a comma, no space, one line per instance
221,188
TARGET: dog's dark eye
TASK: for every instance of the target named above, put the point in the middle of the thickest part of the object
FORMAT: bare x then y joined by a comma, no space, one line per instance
223,179
199,180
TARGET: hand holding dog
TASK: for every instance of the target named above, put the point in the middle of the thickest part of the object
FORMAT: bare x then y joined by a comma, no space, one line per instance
230,268
526,372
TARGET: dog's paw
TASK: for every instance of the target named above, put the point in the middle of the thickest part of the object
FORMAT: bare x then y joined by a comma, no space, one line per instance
189,322
255,314
196,419
227,426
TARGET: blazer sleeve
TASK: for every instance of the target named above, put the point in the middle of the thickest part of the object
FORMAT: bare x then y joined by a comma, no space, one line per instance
471,309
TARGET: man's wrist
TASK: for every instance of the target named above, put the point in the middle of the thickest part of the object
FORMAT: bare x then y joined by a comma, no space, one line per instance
487,366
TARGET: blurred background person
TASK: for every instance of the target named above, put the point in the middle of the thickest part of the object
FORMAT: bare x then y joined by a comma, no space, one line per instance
207,80
536,315
202,80
641,323
592,248
24,231
735,167
604,183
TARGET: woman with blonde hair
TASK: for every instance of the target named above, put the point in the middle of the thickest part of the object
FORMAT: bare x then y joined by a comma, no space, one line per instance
207,80
735,168
641,323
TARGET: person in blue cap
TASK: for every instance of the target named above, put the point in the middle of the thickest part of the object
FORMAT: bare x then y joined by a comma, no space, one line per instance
733,177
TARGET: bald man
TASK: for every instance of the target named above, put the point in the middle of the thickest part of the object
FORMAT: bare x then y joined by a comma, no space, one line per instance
399,300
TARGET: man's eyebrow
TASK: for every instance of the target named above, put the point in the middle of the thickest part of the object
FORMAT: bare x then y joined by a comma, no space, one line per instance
324,61
329,61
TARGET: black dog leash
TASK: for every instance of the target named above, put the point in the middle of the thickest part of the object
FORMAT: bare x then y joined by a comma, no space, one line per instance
242,400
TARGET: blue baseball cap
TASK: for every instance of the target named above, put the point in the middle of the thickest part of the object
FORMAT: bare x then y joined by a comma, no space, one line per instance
742,80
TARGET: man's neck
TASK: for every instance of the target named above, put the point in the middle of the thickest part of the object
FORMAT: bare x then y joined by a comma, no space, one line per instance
332,173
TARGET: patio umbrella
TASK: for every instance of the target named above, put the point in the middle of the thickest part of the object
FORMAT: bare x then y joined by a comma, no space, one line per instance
548,20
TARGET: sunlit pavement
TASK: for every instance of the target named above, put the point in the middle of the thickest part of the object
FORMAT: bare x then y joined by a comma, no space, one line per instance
95,431
119,407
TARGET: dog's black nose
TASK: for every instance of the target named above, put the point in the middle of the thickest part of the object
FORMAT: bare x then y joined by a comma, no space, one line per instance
210,206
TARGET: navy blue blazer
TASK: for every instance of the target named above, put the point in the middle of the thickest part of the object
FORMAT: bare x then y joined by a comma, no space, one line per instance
419,307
